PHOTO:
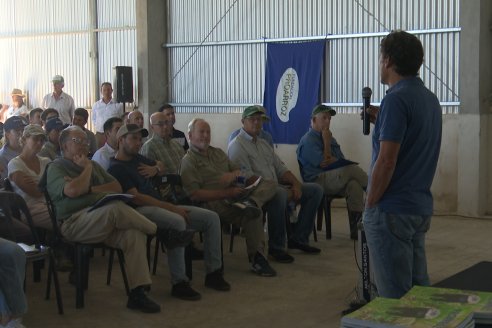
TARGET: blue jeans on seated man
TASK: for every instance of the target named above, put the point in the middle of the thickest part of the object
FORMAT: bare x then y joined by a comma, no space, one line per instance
276,212
397,250
200,219
12,272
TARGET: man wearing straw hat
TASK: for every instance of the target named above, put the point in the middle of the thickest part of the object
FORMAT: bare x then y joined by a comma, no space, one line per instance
18,107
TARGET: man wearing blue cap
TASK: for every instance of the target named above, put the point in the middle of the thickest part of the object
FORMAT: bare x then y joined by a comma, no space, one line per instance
13,128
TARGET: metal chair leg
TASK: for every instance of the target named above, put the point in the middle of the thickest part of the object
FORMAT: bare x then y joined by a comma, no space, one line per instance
121,259
110,266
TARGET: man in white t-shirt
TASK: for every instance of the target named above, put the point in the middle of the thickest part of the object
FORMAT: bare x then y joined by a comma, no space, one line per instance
59,100
104,109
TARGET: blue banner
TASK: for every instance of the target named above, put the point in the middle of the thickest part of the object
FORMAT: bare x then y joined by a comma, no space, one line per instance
292,81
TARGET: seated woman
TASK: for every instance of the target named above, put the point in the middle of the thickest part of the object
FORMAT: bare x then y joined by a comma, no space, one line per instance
12,272
25,171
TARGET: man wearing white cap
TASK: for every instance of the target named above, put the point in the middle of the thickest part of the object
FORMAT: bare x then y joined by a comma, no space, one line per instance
18,107
59,100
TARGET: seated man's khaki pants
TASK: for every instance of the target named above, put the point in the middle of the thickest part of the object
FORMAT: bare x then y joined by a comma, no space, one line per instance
116,225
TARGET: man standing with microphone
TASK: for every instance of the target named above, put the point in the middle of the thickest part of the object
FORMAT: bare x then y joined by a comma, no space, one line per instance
406,143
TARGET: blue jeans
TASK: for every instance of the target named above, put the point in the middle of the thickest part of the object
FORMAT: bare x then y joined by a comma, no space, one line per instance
397,250
200,219
276,208
12,273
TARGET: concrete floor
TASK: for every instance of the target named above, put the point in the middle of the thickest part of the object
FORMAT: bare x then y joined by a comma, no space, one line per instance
311,292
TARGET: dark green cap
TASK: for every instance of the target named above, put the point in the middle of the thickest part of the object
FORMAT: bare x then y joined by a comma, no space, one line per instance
255,109
321,109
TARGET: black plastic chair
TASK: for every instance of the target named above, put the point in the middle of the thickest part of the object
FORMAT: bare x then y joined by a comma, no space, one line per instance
325,207
82,252
12,207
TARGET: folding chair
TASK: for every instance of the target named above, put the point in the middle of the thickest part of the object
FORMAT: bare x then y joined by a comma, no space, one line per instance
13,206
82,253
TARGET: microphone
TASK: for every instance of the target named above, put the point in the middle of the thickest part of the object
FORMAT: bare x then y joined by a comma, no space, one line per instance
366,96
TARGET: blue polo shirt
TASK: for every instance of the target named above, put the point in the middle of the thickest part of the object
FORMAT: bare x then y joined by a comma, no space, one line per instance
310,154
410,115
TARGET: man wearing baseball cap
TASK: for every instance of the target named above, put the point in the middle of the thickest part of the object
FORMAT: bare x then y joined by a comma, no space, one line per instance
135,173
18,107
51,148
59,100
262,134
322,161
257,158
12,128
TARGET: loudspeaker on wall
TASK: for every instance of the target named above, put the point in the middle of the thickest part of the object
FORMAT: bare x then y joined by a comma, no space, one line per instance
123,83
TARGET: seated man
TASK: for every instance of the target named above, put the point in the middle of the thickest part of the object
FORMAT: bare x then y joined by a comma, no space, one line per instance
263,134
257,158
51,148
165,148
18,107
322,161
13,128
35,116
103,154
209,177
80,117
48,114
162,147
135,117
135,173
13,302
177,135
74,184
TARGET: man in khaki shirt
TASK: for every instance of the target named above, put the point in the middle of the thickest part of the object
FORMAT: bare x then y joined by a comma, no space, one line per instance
209,177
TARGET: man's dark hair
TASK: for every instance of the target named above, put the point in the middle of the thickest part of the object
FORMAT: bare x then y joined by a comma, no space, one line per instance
404,51
48,111
82,112
106,83
164,107
108,125
34,111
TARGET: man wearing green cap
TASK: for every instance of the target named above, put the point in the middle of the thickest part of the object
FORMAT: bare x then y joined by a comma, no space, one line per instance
263,134
257,158
321,160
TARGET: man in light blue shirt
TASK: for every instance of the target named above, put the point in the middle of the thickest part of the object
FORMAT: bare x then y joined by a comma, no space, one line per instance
257,158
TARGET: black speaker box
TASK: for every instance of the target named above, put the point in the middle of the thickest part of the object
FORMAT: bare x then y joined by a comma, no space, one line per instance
123,84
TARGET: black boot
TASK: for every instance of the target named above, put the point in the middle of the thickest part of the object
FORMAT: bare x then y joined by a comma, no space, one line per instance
354,218
137,300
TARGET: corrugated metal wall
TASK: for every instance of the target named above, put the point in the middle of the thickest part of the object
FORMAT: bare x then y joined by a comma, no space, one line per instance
217,49
42,38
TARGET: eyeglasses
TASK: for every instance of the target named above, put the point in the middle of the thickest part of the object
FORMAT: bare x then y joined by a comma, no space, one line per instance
80,141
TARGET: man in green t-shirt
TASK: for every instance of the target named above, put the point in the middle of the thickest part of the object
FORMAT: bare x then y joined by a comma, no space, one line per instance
74,184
